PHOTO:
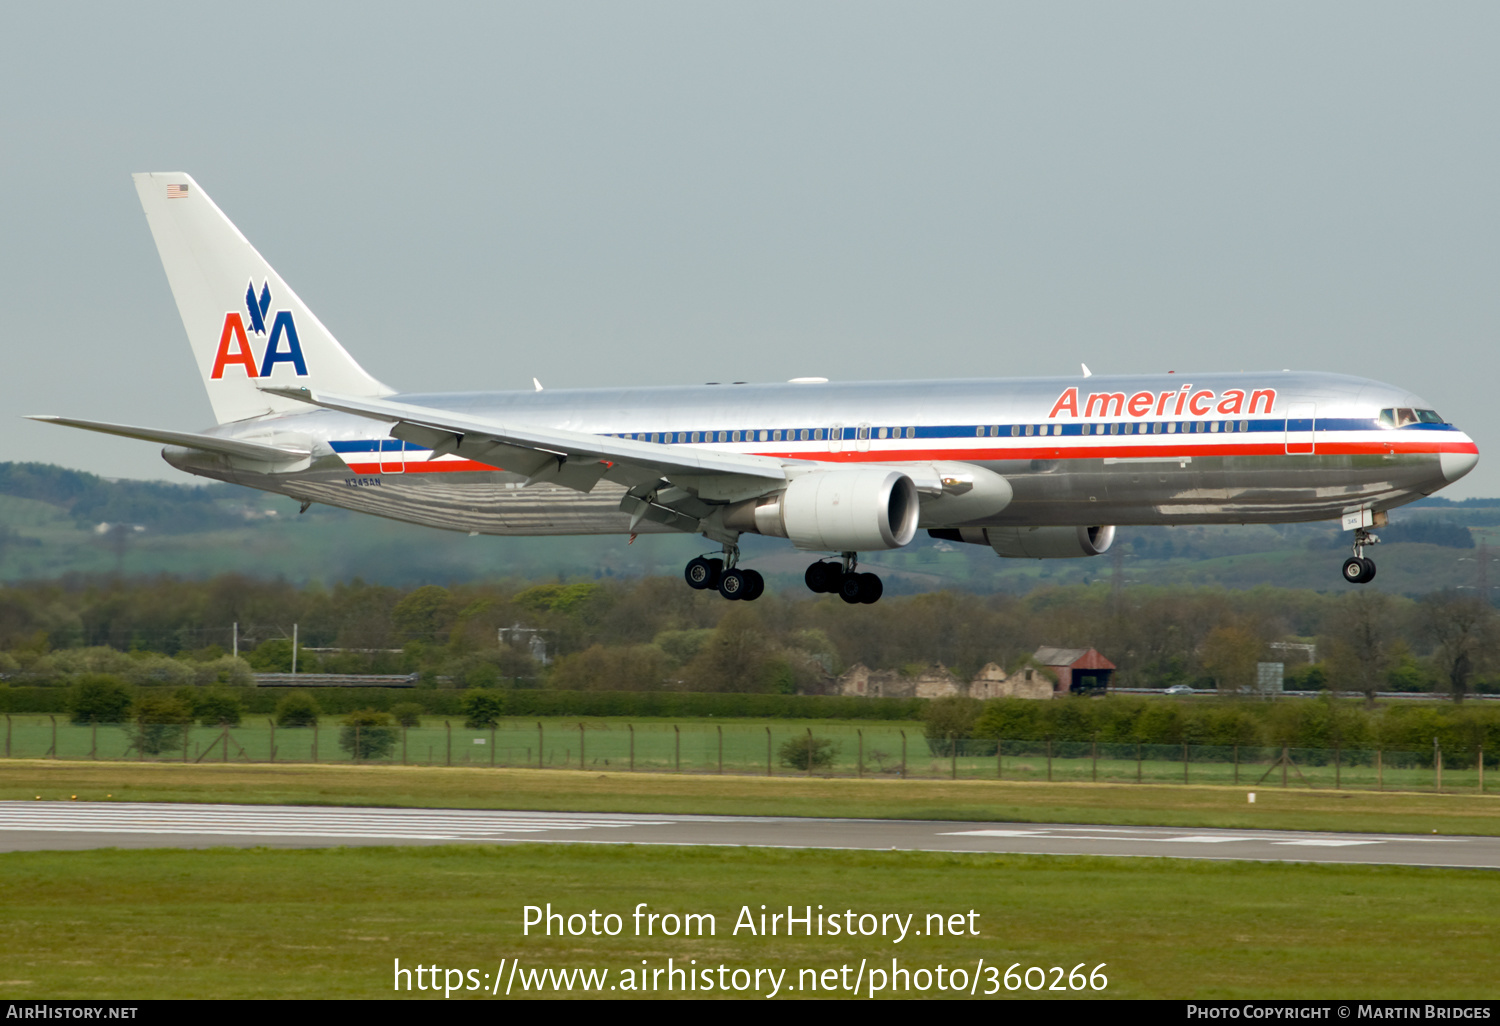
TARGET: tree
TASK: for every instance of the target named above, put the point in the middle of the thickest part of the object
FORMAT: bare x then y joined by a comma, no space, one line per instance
367,734
160,723
1460,628
1361,636
408,714
99,698
483,709
949,719
1229,656
804,751
299,709
214,707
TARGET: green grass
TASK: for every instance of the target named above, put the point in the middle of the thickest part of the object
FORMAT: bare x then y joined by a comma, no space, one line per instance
610,745
329,923
886,798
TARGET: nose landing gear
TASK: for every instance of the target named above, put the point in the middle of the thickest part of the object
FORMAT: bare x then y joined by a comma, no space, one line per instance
735,584
827,578
1358,569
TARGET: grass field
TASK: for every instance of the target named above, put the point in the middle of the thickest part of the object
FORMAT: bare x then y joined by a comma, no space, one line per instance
871,749
329,923
559,790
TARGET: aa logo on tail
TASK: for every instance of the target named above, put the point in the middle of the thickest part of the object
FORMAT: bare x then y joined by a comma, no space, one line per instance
234,342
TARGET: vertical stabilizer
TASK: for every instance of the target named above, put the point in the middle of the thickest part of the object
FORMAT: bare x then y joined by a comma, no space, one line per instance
246,326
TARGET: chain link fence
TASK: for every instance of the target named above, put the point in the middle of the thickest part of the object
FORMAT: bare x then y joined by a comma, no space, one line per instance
775,749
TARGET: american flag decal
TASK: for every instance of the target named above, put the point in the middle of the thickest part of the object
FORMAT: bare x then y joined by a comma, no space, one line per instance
177,192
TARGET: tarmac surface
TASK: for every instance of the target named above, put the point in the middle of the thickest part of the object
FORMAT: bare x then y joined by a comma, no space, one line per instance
55,826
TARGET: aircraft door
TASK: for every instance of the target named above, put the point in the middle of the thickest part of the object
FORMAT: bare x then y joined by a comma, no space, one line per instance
392,456
1300,420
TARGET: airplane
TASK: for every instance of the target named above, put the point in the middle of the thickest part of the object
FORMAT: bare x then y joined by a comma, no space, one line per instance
1032,468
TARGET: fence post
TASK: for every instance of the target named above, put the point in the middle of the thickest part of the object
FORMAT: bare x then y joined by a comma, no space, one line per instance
1094,756
809,751
403,746
1285,759
273,743
94,741
953,757
1338,767
721,748
539,745
1049,758
492,745
1137,762
903,755
999,758
357,750
860,767
315,739
185,735
582,762
631,727
1379,770
224,755
1184,762
448,725
1236,764
1481,769
1437,760
677,748
7,735
768,751
54,737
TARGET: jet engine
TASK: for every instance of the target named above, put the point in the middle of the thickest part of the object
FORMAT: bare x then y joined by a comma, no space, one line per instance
855,510
1035,542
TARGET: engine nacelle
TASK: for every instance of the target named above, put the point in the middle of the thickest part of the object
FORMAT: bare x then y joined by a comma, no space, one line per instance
1036,542
839,510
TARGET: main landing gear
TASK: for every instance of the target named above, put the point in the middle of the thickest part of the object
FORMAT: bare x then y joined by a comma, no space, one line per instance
733,583
1358,569
840,579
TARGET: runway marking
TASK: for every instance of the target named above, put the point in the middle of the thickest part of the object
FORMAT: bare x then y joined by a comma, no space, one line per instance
995,833
1199,839
1326,842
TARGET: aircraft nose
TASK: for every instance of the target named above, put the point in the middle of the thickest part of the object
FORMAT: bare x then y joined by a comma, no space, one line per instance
1456,464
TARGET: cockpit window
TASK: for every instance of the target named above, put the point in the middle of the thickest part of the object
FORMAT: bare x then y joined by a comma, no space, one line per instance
1401,416
1430,417
1388,418
1405,416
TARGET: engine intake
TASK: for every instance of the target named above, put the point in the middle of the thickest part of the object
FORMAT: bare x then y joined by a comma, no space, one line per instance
838,510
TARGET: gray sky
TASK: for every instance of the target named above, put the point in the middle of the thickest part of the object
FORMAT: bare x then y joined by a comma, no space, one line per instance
598,193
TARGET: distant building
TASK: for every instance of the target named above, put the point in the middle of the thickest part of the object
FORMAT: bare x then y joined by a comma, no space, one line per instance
1080,671
940,682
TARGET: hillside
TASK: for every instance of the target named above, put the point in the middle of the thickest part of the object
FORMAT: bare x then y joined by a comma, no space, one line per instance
56,522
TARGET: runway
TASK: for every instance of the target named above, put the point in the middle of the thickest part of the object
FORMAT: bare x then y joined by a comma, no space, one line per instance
43,826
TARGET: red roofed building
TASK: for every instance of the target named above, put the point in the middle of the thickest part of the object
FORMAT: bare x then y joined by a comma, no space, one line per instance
1080,671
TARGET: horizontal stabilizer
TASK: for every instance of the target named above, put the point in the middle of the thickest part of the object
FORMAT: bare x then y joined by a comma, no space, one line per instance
186,439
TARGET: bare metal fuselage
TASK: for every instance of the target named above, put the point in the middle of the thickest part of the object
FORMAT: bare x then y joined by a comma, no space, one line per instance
1312,448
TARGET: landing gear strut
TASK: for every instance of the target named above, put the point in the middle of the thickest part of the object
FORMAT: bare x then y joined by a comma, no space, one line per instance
725,576
1358,569
841,579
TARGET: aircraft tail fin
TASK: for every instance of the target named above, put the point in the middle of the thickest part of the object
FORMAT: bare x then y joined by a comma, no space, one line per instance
244,323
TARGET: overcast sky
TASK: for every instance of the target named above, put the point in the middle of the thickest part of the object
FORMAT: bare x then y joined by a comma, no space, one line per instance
599,193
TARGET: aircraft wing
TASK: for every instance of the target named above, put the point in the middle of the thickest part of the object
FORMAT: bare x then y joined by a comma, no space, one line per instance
187,440
574,459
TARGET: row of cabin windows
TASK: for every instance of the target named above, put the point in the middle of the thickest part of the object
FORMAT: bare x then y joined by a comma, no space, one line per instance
992,431
1169,427
787,435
